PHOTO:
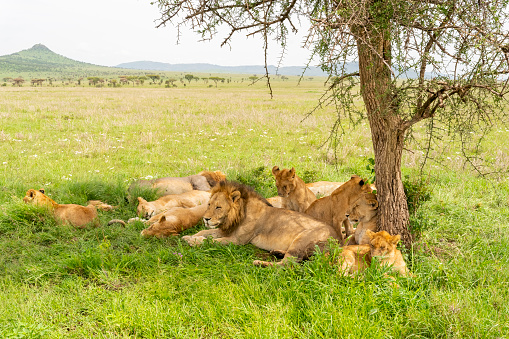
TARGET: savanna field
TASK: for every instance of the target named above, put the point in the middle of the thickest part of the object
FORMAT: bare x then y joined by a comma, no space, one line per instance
85,143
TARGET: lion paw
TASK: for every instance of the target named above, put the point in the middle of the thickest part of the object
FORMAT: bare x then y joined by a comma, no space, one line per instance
193,240
262,263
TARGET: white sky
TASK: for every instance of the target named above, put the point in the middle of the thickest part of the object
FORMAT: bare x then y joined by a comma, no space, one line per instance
110,32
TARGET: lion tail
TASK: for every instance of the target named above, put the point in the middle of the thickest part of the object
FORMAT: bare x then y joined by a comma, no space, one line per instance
116,221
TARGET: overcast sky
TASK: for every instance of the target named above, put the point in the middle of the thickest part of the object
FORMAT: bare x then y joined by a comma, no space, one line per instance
110,32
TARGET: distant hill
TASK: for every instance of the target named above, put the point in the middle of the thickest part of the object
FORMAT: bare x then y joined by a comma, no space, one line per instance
210,68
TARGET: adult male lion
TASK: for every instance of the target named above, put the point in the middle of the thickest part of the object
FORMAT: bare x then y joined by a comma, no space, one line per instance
332,209
294,194
382,245
363,211
174,221
76,215
147,209
236,214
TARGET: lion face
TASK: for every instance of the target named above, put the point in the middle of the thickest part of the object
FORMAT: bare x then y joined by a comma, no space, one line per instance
383,245
285,181
225,209
145,209
36,197
363,209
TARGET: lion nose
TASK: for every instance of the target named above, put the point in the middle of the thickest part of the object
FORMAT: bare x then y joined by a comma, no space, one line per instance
347,215
206,219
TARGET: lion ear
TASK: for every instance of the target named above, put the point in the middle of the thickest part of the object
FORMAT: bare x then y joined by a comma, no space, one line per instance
235,196
140,200
162,218
41,190
396,238
275,170
361,183
292,172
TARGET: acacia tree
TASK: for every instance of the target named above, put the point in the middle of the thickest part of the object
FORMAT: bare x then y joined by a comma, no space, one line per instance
432,60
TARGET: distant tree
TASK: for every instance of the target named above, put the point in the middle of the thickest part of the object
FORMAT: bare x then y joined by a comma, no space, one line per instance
132,78
18,82
171,81
284,78
216,79
37,82
189,77
205,80
253,78
142,79
94,81
153,77
7,79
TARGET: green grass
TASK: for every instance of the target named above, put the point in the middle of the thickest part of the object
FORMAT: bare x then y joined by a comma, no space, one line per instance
108,282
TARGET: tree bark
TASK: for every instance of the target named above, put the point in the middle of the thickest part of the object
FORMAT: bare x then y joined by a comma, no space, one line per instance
387,132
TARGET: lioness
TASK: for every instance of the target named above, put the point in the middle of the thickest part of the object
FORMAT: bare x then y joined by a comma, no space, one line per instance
364,211
76,215
323,188
294,194
332,209
382,245
236,214
147,209
178,185
175,220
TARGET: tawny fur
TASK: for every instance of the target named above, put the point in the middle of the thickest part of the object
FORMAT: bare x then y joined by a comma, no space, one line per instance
294,194
75,215
332,209
355,258
174,221
364,211
178,185
323,188
276,201
236,214
147,209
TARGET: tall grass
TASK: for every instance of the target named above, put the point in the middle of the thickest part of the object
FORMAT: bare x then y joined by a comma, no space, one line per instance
108,282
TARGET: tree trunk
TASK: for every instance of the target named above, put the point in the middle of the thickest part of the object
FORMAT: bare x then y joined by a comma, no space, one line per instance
387,133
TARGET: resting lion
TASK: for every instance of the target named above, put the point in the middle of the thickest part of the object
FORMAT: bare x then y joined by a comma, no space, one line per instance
174,221
294,194
203,181
238,215
147,209
76,215
382,245
364,211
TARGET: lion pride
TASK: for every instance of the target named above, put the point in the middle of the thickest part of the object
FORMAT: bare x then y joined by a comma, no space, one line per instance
294,194
76,215
382,245
332,209
238,215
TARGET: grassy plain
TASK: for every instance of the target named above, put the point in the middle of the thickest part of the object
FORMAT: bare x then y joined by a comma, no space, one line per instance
82,143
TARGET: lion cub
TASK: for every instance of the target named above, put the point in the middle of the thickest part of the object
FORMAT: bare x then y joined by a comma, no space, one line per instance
294,194
332,209
364,211
382,245
147,209
174,221
76,215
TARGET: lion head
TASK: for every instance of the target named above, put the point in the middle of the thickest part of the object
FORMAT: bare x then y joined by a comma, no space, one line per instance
38,197
213,177
227,205
383,245
285,180
363,209
145,209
